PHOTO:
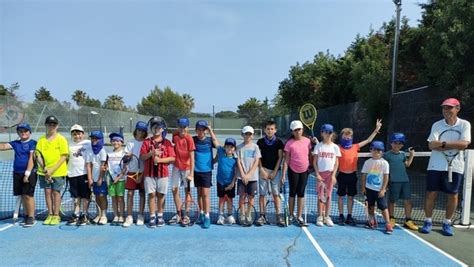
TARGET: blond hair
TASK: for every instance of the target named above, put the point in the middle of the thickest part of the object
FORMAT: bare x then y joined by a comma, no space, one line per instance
347,131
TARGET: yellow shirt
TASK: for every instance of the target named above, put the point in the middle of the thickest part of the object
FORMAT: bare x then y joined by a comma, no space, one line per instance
52,152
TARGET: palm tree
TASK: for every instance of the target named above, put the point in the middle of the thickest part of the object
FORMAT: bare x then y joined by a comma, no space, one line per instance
79,97
114,102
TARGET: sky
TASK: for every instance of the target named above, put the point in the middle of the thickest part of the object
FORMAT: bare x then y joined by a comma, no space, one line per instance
220,52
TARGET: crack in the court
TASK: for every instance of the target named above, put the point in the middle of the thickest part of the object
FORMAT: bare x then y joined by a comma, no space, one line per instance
288,249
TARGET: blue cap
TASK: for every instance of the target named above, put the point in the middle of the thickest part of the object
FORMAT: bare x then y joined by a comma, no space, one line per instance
141,125
116,136
377,145
97,134
230,141
201,124
24,126
183,122
398,137
327,128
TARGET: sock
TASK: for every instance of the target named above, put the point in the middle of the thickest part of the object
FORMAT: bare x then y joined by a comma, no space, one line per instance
160,214
428,220
447,221
207,215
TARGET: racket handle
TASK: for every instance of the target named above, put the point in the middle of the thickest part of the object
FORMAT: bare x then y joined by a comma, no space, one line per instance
450,174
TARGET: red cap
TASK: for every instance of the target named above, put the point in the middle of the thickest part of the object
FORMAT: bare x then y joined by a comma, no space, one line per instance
452,102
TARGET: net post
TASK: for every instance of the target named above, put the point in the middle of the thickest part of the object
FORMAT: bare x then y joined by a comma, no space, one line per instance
467,187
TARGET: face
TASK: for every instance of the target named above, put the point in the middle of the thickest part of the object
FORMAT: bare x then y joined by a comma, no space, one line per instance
270,130
376,153
182,130
347,136
297,133
229,149
51,127
116,143
94,140
77,136
140,135
247,136
157,130
326,135
396,146
24,134
450,112
201,132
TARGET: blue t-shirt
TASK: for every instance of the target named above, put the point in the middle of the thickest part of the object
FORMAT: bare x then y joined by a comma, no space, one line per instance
22,154
398,171
203,154
225,167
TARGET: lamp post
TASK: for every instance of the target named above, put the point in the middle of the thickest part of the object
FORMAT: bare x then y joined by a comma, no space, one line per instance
93,112
398,5
131,124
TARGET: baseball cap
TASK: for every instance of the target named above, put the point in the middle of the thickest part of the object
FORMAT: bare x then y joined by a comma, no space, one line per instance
24,126
327,128
183,122
77,127
141,125
398,137
201,124
296,125
51,119
230,141
377,145
97,134
452,102
116,136
247,129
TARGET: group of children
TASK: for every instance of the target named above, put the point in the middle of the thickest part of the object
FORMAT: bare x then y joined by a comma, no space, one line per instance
251,169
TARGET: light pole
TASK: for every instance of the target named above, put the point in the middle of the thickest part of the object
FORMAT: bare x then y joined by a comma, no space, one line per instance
398,5
131,124
93,112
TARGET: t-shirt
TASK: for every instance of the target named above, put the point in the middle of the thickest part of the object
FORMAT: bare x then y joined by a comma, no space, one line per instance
348,159
248,154
375,170
52,152
298,152
78,156
159,170
96,161
437,160
134,147
203,154
114,164
22,154
182,147
270,152
327,155
225,167
396,161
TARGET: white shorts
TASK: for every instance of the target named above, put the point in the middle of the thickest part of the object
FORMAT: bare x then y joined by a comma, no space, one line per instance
155,184
274,184
178,178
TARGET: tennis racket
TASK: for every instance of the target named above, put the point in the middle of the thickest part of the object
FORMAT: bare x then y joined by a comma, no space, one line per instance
10,116
125,169
98,211
450,135
284,202
270,208
247,214
17,209
69,207
189,208
308,115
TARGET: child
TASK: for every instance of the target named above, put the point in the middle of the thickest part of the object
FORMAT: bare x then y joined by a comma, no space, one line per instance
347,176
183,166
226,178
116,184
96,168
271,149
248,158
135,169
374,185
297,155
53,171
203,168
158,153
79,182
24,176
399,181
325,163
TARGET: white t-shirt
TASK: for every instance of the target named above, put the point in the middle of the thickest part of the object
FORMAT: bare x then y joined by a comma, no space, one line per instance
248,154
96,161
437,160
79,154
114,164
375,170
327,155
134,147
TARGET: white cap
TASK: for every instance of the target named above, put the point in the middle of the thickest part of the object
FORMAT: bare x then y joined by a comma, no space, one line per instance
77,127
247,129
296,125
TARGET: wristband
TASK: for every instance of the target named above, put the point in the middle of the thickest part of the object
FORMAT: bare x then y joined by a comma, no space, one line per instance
443,144
27,173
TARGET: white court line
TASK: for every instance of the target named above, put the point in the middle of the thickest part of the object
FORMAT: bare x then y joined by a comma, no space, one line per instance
318,248
6,227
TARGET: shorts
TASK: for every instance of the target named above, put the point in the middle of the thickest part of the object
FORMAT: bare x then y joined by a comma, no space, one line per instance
249,189
20,188
399,190
131,184
263,184
57,184
78,187
326,182
116,189
203,179
178,178
373,196
155,184
346,184
221,192
438,181
100,190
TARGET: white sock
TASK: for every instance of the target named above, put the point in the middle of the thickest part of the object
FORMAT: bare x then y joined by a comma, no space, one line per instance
428,220
447,221
207,215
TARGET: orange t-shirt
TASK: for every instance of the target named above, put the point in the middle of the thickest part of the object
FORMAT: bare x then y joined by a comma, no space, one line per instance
348,159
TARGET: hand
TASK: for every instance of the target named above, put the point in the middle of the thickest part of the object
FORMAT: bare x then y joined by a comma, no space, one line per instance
334,180
314,140
319,178
90,182
363,190
139,178
378,125
273,174
264,174
26,179
229,187
190,178
245,179
382,193
99,182
411,151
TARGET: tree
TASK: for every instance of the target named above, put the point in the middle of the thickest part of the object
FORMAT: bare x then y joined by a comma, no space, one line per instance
164,103
9,91
227,114
43,94
254,111
114,102
188,101
80,97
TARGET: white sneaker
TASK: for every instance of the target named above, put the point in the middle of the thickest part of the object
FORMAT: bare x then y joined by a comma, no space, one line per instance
128,221
120,220
328,221
221,219
230,219
320,221
96,219
115,220
140,220
103,220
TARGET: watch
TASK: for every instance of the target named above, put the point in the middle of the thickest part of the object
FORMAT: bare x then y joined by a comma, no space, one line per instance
443,144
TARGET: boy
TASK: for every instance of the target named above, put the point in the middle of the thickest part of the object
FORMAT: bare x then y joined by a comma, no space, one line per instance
374,185
97,168
226,163
116,184
399,181
158,153
271,148
347,176
24,176
183,166
248,158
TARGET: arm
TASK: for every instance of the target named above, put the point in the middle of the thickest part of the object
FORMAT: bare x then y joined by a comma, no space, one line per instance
29,167
334,172
278,164
378,125
89,173
384,186
191,166
215,142
233,183
5,146
50,171
254,167
438,145
241,171
410,158
362,183
316,169
284,168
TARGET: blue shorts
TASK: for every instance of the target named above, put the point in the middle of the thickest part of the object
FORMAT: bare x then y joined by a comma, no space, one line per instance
399,190
57,184
203,179
100,190
373,196
438,181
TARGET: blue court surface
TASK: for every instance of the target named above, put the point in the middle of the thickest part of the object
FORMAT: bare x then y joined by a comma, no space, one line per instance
217,246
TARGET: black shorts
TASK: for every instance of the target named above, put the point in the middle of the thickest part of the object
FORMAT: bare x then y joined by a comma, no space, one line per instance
78,187
438,181
20,188
346,184
373,196
203,179
250,189
221,192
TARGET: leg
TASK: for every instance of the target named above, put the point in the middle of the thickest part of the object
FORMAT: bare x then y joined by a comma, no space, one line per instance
206,200
340,204
391,208
350,204
141,193
152,204
408,208
429,203
57,201
29,203
49,202
177,199
451,204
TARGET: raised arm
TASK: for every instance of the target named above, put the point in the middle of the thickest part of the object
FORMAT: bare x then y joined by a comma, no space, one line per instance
378,126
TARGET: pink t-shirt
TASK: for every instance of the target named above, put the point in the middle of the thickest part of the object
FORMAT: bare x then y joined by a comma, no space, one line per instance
298,151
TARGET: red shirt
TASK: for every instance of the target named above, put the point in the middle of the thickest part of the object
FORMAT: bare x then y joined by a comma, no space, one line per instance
161,169
182,147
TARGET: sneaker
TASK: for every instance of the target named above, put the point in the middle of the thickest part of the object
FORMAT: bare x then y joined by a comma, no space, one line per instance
350,220
301,222
328,221
341,220
73,220
393,221
242,219
114,221
120,220
200,219
320,221
207,222
411,225
140,220
185,221
230,219
447,229
30,221
160,222
281,221
221,219
426,229
128,221
261,220
388,229
103,220
176,219
82,220
152,223
371,224
48,219
55,220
